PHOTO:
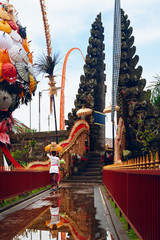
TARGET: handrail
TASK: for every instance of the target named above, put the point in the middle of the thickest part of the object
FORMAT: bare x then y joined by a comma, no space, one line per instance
142,162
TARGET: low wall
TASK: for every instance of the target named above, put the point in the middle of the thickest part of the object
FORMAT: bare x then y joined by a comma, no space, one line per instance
42,139
137,194
13,183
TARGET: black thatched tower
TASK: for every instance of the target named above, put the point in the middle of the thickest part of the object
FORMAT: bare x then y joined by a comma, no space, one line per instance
91,92
135,107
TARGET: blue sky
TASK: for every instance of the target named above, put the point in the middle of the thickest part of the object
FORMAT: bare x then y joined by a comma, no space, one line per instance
70,23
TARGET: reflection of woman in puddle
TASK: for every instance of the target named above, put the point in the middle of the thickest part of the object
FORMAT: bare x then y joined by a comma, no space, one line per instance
54,223
55,218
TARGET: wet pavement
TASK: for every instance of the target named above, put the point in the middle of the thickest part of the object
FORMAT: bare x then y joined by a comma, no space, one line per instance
78,211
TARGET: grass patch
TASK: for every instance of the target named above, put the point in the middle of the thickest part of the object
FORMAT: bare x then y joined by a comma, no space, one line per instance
17,198
131,234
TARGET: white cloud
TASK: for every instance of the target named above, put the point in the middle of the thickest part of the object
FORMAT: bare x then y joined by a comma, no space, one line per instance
144,38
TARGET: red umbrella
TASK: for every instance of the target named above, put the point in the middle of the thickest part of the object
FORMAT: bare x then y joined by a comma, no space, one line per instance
9,72
13,25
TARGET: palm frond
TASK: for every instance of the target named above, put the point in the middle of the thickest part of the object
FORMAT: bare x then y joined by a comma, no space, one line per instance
155,84
46,64
155,91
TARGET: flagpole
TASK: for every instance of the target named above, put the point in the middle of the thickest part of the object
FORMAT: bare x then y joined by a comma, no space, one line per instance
55,119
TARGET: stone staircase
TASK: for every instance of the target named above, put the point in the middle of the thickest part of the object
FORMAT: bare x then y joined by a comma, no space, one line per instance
92,173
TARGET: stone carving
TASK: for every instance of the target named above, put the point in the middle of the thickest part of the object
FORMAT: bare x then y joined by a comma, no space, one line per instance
133,100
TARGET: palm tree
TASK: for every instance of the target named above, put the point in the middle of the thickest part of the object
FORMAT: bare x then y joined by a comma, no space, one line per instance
155,91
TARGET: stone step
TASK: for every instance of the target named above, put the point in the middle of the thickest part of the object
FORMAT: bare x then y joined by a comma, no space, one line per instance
84,181
87,180
94,159
85,177
92,169
91,173
93,164
92,154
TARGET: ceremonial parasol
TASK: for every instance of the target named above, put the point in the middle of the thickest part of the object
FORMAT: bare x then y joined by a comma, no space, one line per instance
22,31
30,68
22,71
26,45
4,56
9,72
13,25
5,27
32,84
30,55
6,41
4,14
5,100
15,54
18,54
15,36
25,57
1,71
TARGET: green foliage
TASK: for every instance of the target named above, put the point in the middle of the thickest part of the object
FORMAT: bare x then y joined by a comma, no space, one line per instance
30,130
22,155
155,91
131,234
17,198
60,139
156,101
23,130
147,134
32,143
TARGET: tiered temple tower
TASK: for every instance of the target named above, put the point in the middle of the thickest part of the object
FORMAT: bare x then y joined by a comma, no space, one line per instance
91,92
135,107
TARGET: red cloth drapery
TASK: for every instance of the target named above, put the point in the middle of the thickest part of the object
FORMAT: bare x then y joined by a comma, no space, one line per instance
9,156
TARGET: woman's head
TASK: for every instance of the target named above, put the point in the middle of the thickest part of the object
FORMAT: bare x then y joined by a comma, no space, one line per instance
54,227
54,153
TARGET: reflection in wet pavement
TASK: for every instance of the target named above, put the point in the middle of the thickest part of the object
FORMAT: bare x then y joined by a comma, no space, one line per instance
74,213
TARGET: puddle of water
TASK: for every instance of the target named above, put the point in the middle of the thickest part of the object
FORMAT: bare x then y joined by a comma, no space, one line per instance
68,215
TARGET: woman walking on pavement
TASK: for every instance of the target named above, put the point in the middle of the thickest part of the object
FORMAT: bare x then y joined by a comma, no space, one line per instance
54,169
